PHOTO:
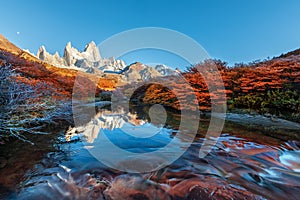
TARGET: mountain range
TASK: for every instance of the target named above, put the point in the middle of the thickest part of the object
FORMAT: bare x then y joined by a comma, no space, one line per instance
90,60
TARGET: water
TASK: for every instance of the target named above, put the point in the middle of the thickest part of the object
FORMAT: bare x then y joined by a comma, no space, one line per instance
242,165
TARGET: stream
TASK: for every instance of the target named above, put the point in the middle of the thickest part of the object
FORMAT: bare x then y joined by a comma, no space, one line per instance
243,164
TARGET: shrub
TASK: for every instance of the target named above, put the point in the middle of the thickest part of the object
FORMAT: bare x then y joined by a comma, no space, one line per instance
277,102
23,109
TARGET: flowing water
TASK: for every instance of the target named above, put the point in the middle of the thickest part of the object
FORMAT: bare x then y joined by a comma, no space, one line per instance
242,164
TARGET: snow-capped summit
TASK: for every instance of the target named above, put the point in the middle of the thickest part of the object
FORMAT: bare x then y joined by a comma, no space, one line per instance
85,60
92,50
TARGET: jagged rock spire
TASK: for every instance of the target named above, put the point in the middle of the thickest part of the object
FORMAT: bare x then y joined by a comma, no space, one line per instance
41,53
93,50
87,59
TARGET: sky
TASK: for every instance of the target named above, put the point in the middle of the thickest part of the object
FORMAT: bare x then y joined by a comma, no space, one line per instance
233,31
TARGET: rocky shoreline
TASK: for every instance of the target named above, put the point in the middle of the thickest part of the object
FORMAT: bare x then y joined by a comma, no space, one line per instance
272,126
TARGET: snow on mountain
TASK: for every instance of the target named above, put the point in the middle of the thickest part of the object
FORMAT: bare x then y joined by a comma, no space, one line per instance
85,60
165,70
90,61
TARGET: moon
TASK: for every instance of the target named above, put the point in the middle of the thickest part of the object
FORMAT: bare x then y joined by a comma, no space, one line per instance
18,33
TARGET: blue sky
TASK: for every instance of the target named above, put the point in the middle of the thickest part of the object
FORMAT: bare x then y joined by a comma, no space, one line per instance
234,31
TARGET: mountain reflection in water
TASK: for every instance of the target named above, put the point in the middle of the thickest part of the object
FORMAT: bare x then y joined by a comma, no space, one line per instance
236,168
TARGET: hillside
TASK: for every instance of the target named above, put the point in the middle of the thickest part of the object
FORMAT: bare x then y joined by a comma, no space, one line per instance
35,95
8,46
291,53
268,86
32,71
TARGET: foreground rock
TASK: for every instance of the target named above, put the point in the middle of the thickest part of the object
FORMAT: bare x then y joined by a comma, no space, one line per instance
125,187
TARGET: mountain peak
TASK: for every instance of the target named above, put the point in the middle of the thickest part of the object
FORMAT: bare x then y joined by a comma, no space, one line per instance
165,70
41,53
93,51
55,60
91,44
56,55
85,60
42,49
69,45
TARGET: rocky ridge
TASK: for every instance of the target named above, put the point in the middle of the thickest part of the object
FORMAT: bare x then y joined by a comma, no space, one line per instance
90,60
165,70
